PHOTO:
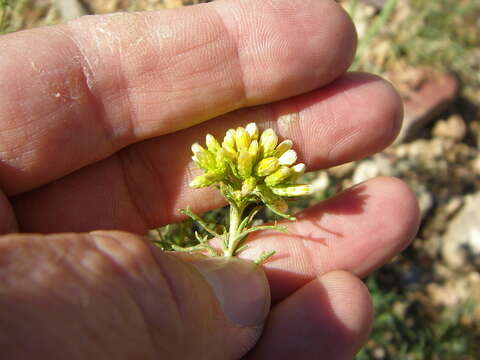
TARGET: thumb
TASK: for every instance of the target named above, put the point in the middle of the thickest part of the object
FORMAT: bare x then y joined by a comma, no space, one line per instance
232,301
112,295
196,307
204,308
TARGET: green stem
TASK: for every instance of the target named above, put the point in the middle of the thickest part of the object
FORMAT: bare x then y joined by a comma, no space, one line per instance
234,235
200,221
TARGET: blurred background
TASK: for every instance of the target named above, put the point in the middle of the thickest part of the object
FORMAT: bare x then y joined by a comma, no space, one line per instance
427,300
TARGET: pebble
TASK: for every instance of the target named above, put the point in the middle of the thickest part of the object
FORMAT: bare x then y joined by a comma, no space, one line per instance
452,128
461,242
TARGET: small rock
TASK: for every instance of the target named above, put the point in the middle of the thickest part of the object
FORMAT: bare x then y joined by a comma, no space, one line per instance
379,353
476,165
367,169
417,149
461,242
322,182
453,206
425,201
343,170
71,9
171,4
452,128
456,291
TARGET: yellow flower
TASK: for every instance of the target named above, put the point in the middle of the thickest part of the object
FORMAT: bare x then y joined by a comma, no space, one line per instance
250,166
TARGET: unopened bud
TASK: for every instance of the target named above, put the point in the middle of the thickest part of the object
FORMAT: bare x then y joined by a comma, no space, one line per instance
204,180
222,161
298,170
252,130
248,186
281,148
205,159
267,166
212,143
196,148
229,139
292,190
278,176
268,141
242,139
253,150
227,154
244,164
288,158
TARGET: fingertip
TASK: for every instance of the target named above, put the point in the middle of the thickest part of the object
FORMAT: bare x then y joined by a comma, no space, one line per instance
399,200
369,111
286,66
330,318
340,39
352,305
389,106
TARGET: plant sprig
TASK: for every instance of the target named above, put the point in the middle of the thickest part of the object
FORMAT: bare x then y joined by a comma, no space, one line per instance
248,168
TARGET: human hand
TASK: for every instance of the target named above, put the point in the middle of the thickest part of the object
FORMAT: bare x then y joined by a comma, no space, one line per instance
96,128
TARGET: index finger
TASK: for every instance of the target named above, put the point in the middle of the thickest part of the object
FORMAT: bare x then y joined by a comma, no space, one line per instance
98,84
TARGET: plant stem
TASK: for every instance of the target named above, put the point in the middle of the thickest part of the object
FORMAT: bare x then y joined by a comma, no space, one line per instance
234,236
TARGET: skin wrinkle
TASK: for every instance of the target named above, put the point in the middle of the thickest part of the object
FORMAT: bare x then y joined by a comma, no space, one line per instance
110,133
162,191
61,255
94,237
180,314
307,244
231,34
119,269
132,187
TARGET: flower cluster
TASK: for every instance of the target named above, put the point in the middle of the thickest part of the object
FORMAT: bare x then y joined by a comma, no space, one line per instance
250,167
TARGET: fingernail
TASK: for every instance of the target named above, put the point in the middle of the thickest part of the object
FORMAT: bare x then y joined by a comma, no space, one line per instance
240,286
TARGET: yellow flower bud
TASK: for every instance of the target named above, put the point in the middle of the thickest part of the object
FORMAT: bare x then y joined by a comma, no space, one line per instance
298,170
227,155
244,164
253,150
205,159
222,161
229,139
267,166
292,190
248,186
204,180
288,158
212,143
232,154
278,176
252,130
196,148
242,139
268,142
283,147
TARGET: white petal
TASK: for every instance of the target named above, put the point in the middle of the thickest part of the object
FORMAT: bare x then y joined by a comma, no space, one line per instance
252,130
196,148
288,158
299,168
